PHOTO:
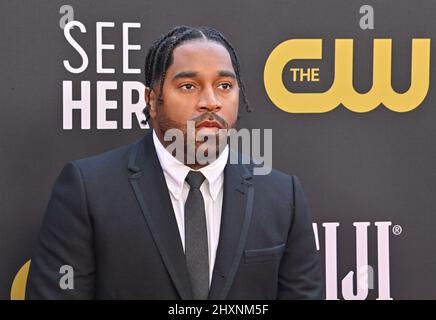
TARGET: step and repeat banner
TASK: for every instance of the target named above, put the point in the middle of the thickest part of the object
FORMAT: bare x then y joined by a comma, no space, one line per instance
345,86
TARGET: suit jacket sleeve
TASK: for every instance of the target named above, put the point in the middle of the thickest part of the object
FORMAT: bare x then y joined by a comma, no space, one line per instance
299,273
65,239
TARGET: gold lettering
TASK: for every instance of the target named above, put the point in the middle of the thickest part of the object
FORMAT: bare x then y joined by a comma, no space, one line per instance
342,90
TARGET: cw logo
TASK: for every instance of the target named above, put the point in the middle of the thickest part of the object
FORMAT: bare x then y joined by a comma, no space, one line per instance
342,90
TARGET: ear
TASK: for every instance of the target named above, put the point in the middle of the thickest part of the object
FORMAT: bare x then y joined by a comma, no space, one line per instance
150,100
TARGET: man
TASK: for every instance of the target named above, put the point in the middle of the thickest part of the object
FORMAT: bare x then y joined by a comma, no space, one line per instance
137,222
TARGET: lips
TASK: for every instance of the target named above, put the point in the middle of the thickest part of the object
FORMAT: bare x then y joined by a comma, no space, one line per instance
209,124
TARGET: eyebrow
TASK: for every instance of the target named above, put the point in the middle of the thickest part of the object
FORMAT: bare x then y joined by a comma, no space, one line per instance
227,73
193,74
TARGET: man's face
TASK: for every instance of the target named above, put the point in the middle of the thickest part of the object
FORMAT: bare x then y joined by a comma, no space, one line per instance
201,86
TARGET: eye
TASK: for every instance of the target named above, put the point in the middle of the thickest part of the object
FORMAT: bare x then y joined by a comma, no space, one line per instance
225,86
187,86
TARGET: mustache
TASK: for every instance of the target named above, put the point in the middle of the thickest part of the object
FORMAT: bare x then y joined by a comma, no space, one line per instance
210,116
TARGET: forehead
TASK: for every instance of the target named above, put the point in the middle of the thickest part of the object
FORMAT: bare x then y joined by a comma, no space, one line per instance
198,55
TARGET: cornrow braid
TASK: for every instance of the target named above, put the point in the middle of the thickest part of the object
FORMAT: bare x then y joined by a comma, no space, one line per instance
159,58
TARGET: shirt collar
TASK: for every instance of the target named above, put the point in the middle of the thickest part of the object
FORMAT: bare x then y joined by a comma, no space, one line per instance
176,172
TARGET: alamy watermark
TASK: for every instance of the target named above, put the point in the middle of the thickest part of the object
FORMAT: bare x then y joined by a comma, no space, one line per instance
197,146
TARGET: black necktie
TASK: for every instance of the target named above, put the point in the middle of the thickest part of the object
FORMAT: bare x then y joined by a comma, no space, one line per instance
196,249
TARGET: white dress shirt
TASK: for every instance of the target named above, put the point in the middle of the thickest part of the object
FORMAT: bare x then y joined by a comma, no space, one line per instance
175,173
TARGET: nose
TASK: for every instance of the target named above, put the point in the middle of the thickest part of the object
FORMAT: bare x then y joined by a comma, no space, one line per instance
209,101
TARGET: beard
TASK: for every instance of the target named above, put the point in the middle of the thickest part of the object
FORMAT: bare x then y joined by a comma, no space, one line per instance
195,142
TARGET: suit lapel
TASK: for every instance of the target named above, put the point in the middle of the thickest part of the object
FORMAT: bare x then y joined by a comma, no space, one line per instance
235,221
147,178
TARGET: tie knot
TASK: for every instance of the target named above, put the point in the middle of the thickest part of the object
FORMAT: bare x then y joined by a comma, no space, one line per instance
195,179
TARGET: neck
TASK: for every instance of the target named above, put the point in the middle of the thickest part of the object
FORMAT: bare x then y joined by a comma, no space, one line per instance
173,152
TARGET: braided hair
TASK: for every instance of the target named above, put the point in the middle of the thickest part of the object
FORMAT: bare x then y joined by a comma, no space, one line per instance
159,58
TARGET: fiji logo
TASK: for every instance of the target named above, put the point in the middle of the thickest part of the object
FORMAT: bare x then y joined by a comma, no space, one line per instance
358,282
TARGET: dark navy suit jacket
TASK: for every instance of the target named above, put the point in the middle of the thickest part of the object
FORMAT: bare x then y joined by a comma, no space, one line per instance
110,218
